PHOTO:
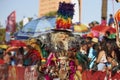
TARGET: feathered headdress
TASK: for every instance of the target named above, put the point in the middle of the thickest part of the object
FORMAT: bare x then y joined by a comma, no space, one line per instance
65,14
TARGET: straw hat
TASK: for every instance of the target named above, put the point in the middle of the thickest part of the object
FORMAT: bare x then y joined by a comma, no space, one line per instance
32,41
95,40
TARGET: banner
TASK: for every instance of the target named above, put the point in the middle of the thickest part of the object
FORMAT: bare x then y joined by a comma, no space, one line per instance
11,22
117,20
2,35
30,73
16,73
3,72
22,73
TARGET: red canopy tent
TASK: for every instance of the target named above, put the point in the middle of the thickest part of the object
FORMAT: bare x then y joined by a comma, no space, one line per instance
103,29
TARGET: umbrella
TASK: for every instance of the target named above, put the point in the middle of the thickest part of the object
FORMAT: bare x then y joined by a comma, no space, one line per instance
112,30
80,28
98,28
4,46
37,27
103,29
17,43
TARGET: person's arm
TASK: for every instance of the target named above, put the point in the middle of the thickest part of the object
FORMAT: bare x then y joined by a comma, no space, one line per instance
90,54
100,54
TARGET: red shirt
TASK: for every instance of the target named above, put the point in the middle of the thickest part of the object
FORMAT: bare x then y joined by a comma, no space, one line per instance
1,61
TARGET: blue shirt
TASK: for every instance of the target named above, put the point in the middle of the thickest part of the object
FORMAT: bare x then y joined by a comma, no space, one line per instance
92,56
111,20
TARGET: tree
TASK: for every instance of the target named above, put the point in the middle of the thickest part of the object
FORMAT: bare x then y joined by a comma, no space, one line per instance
30,18
19,25
104,9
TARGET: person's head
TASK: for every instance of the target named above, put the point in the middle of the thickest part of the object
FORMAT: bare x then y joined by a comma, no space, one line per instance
109,58
7,57
88,39
96,46
103,18
1,53
102,46
115,53
27,49
84,46
89,44
111,15
107,33
21,50
91,25
94,40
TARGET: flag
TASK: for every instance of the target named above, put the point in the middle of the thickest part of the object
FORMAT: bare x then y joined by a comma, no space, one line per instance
117,20
11,22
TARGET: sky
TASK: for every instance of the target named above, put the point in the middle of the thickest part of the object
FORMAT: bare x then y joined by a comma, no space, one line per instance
91,9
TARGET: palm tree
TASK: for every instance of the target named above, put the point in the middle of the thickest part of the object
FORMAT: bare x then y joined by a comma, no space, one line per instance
104,9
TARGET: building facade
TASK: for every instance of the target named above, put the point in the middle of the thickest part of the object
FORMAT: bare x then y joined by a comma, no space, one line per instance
46,6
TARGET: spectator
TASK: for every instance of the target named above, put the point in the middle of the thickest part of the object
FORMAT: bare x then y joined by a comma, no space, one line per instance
20,56
103,22
7,58
101,58
92,52
81,56
1,56
111,20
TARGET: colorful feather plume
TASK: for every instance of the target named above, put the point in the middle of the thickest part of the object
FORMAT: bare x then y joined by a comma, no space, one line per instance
65,14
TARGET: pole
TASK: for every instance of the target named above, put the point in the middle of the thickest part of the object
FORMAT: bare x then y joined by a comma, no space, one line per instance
80,10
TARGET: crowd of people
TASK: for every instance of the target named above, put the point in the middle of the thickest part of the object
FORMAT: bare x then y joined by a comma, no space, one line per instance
111,22
93,53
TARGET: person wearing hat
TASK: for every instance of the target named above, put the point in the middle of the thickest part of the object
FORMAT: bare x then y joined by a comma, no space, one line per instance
35,45
92,52
81,56
95,40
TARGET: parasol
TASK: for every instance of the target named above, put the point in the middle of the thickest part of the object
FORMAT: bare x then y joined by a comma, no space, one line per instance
4,46
13,48
17,43
36,27
80,28
102,29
